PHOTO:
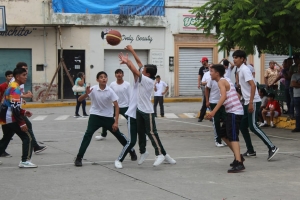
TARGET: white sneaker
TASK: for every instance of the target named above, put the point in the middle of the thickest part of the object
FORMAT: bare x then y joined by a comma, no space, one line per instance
272,125
170,160
224,143
118,164
99,137
27,164
147,138
262,124
143,157
219,144
159,159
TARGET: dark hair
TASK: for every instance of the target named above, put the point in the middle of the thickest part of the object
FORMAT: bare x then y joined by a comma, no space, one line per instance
18,71
263,90
119,71
240,54
226,62
272,95
100,73
8,73
219,68
80,74
151,69
158,76
21,64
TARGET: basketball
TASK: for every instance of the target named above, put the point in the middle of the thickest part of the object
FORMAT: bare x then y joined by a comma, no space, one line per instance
113,37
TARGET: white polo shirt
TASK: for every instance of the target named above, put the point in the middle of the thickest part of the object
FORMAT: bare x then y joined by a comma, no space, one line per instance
123,92
228,73
144,94
160,88
131,112
102,101
214,95
245,75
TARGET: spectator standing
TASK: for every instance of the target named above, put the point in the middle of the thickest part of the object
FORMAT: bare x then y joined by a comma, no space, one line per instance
271,75
202,70
295,83
160,89
80,82
293,70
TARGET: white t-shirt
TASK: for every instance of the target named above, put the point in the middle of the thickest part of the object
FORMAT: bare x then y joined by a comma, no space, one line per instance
206,77
214,95
102,101
131,111
160,88
123,92
245,75
144,94
228,73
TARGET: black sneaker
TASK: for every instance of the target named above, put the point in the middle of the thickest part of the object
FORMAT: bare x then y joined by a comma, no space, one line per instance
237,167
85,115
231,164
162,115
200,120
133,155
249,153
39,149
5,155
272,152
296,130
77,116
78,162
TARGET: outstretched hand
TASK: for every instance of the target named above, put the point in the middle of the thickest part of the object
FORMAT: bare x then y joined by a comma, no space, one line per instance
129,48
88,90
123,59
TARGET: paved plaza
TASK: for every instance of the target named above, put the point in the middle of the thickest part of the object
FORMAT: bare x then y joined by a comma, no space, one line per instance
200,172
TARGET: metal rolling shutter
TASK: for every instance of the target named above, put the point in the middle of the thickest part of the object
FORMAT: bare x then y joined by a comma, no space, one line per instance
189,65
111,63
277,58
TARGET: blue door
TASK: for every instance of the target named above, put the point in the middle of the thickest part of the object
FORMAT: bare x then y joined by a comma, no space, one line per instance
9,59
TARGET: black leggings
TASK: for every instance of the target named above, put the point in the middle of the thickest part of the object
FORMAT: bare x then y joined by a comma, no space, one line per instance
78,103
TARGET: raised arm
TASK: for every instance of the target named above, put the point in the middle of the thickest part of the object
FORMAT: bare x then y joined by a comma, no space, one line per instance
125,60
137,59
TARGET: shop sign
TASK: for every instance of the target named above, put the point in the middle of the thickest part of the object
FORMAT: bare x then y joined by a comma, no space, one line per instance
187,24
16,31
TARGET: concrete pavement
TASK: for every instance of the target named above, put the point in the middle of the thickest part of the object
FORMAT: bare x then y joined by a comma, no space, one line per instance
200,172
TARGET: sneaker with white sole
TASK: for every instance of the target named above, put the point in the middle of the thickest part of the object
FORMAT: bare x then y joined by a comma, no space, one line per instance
219,144
143,157
100,137
27,164
118,164
159,159
147,138
263,124
169,159
39,149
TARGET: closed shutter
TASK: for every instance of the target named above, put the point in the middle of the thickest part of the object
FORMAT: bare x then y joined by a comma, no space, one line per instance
189,65
112,63
277,58
8,61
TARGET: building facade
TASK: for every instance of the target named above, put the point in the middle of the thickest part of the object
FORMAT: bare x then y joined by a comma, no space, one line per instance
168,39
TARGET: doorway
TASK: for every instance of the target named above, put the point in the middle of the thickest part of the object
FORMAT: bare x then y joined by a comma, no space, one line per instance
75,62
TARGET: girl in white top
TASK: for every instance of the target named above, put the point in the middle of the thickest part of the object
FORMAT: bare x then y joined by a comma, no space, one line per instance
234,110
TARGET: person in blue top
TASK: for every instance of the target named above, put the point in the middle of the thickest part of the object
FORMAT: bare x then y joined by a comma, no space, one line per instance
80,82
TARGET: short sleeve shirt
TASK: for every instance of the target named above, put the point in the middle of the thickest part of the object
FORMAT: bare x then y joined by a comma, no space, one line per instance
228,73
76,83
214,95
293,69
131,111
159,88
144,94
274,104
271,75
123,92
202,70
206,77
102,101
245,75
296,77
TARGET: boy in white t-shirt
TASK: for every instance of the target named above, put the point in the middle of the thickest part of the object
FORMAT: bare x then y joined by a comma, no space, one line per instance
251,105
145,115
104,101
122,90
159,85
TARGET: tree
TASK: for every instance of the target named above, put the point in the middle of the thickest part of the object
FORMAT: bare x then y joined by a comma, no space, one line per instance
266,25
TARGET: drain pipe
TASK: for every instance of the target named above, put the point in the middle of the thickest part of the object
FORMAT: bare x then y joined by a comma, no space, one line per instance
44,40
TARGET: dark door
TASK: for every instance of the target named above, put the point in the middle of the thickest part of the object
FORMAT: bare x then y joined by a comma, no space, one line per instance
75,62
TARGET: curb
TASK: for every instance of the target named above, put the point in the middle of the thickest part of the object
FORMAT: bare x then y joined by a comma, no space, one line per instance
73,103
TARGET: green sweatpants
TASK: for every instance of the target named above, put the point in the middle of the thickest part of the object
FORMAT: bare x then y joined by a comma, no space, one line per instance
96,122
146,124
220,114
122,112
132,136
249,120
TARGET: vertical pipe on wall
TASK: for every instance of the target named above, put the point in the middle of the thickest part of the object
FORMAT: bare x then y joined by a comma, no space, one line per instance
44,40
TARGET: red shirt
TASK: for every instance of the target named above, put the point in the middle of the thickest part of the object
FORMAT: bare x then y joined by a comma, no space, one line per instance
3,87
275,105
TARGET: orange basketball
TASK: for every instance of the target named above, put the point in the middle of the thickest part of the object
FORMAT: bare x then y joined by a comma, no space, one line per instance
113,37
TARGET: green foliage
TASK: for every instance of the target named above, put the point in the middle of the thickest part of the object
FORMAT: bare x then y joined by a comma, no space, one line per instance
266,25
